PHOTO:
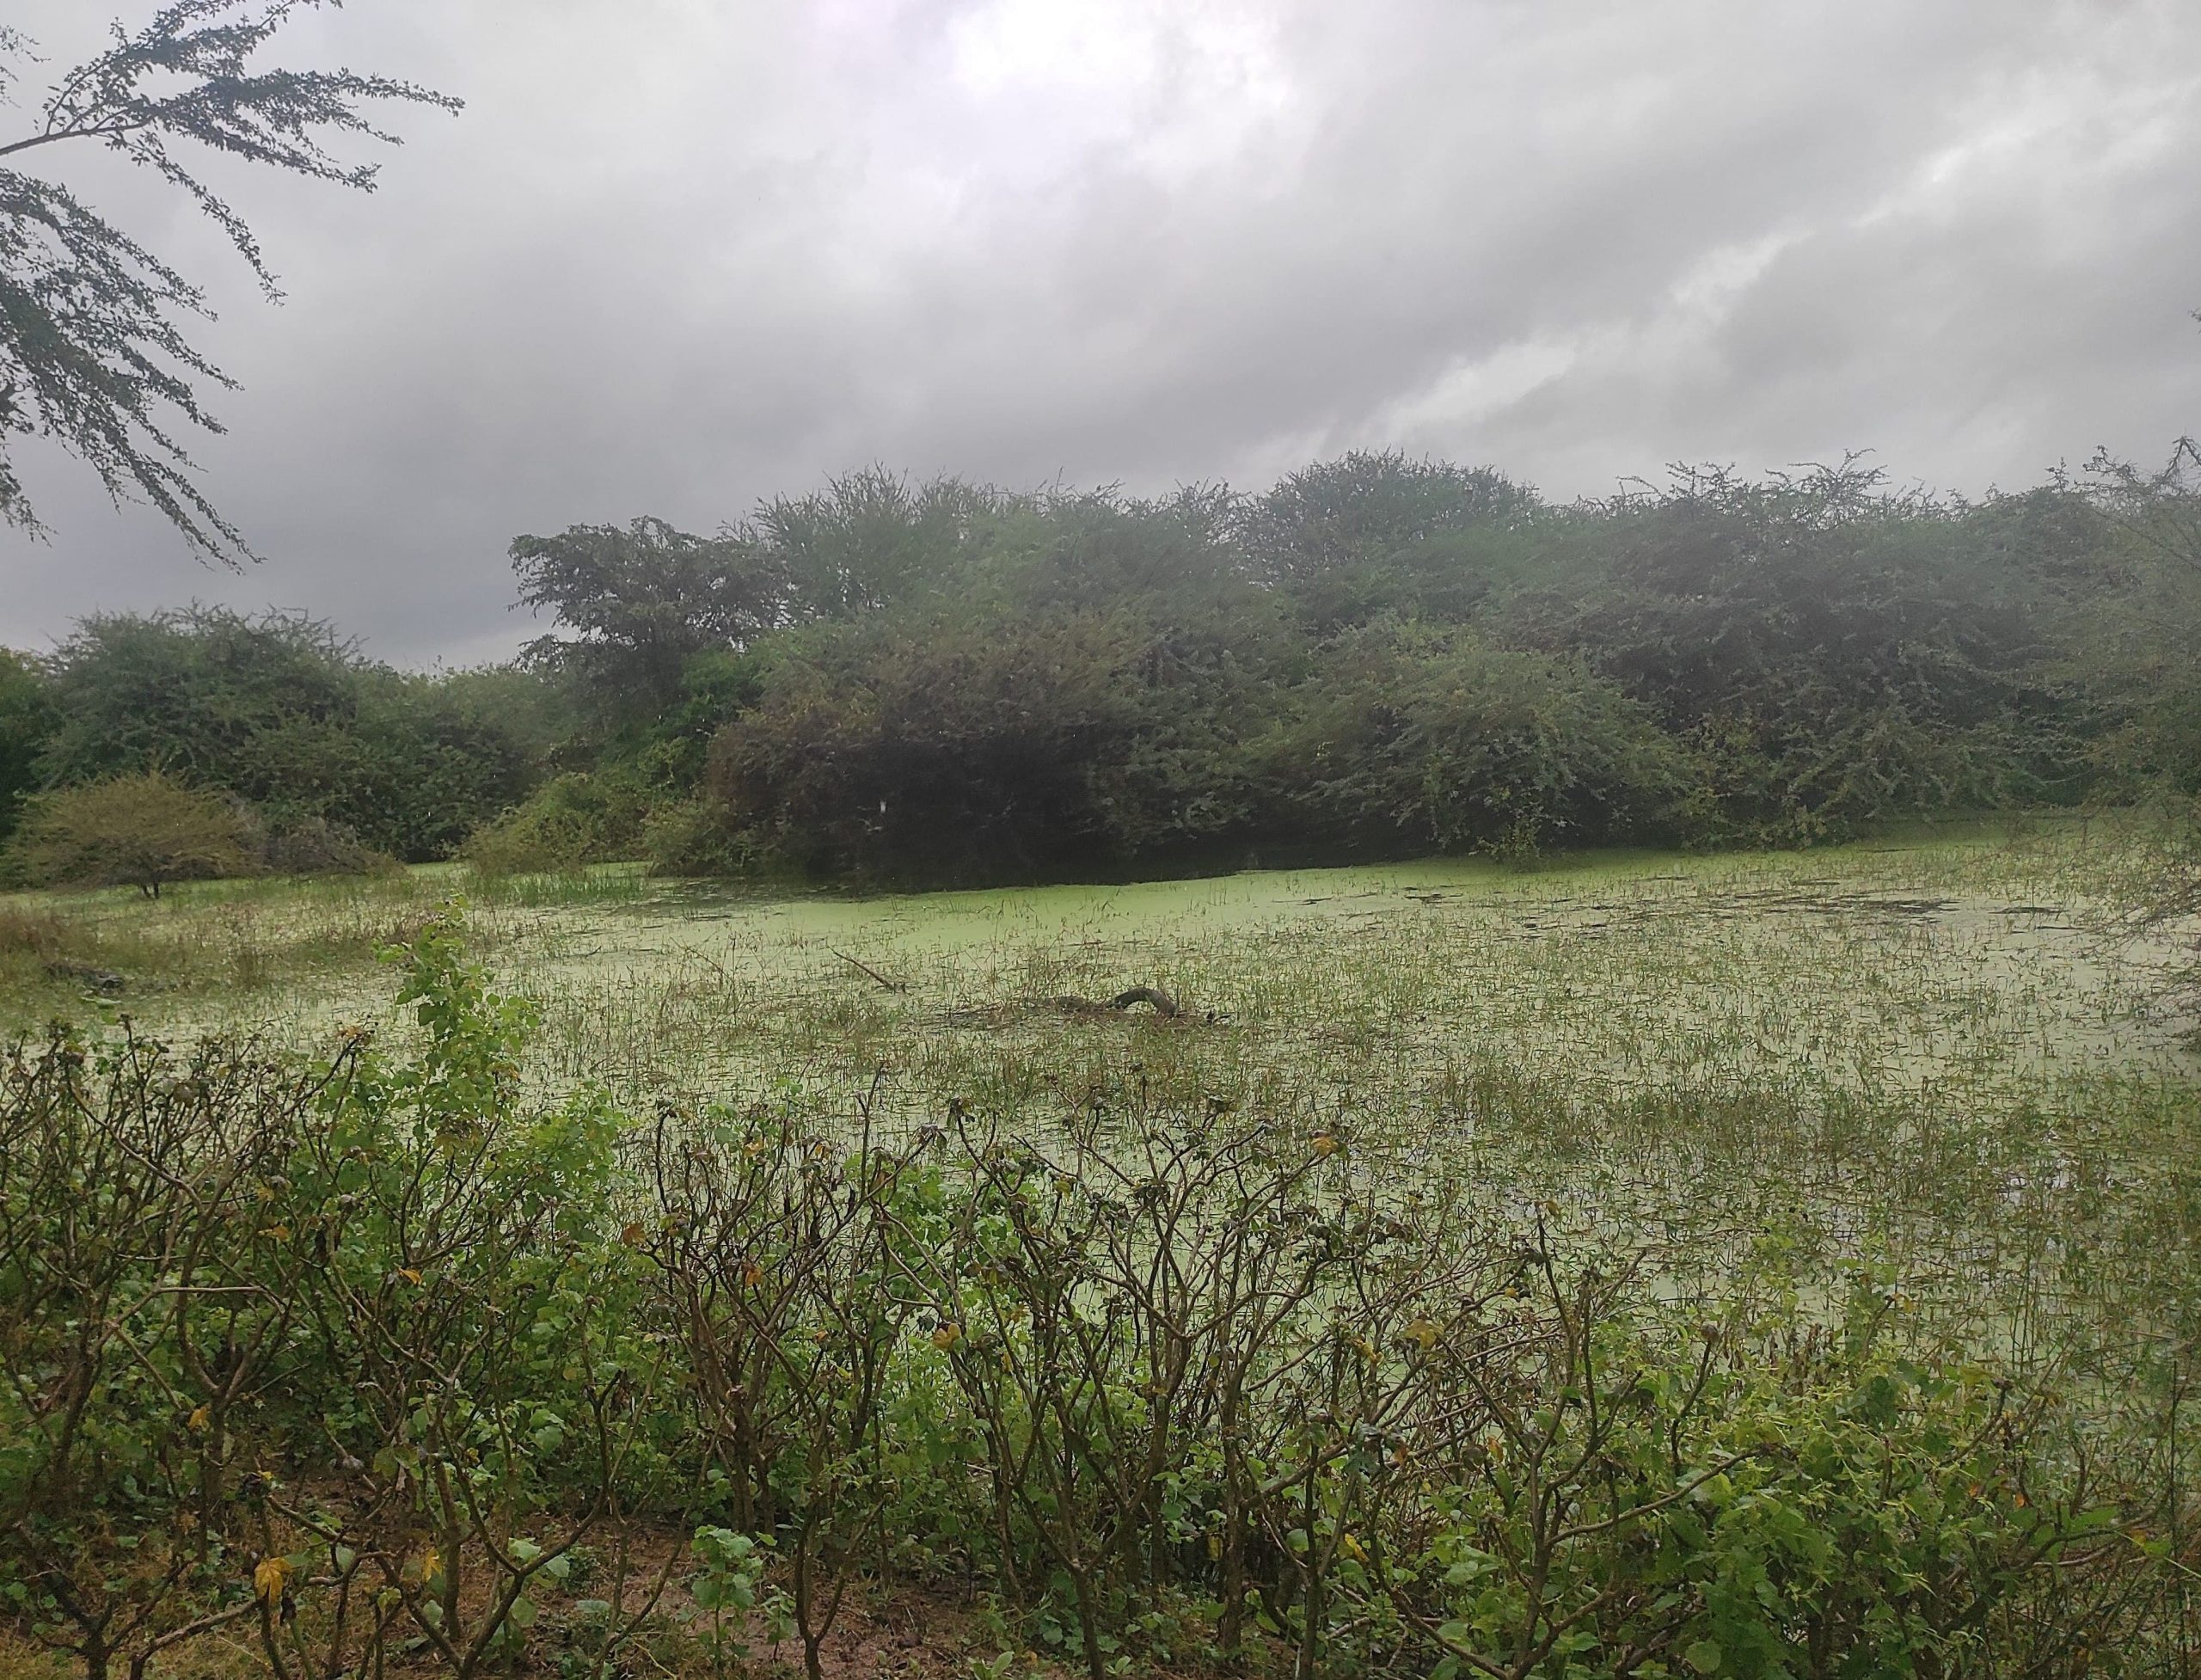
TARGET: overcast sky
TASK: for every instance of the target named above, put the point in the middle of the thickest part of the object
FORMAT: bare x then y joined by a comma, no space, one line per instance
680,253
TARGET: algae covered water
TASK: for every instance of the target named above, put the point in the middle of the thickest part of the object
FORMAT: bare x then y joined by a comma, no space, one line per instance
1916,1046
1934,1062
1981,963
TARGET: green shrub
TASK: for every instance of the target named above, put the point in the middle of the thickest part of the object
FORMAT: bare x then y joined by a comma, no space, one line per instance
570,820
1842,653
1414,740
146,831
139,1337
316,846
280,712
25,719
696,836
1028,743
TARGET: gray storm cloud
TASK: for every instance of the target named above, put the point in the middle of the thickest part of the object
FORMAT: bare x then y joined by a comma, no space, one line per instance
677,254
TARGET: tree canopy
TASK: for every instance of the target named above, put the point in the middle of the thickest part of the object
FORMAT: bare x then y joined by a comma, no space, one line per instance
925,682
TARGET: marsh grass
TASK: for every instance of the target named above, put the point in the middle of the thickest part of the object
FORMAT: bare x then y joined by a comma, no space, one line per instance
1934,1075
1938,1050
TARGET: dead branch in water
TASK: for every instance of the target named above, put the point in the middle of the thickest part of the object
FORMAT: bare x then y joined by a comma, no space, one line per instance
891,985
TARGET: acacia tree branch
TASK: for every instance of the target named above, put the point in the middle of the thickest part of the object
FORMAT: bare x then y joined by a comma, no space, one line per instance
92,354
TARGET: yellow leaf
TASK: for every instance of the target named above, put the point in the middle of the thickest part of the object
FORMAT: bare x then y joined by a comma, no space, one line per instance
270,1579
752,1274
1423,1331
633,1236
200,1419
1326,1144
1352,1549
277,1233
409,1274
947,1336
431,1564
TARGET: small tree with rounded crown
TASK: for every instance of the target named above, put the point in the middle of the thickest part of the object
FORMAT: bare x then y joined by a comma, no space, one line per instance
143,830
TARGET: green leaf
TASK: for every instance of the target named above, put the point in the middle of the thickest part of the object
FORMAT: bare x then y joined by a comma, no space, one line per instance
1705,1656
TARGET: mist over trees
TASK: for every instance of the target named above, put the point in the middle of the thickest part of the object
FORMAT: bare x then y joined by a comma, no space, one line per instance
894,682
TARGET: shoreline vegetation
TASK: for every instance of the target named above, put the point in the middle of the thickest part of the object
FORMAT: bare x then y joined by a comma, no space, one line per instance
519,1181
893,683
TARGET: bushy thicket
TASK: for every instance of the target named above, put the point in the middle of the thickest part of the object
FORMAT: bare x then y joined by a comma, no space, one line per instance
1375,657
371,1366
25,720
146,831
278,712
934,683
570,819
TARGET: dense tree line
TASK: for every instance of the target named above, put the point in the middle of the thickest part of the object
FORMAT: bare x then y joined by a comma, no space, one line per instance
276,713
894,680
1376,657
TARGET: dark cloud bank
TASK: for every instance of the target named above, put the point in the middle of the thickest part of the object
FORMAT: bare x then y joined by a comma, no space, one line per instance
679,253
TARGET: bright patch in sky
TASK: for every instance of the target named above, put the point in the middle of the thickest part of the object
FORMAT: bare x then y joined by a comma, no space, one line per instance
1178,88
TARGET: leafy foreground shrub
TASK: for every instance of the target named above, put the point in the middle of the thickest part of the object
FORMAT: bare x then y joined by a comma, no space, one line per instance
146,831
378,1362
